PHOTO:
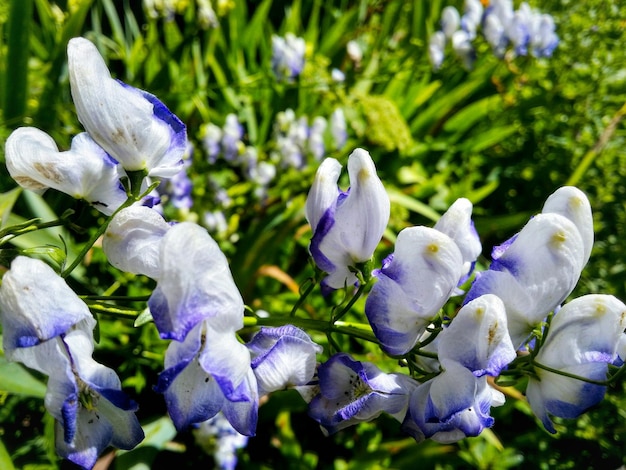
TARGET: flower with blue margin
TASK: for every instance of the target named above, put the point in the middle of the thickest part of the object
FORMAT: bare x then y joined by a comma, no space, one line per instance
478,337
131,125
189,293
352,391
85,171
535,270
283,357
411,287
49,329
451,406
584,337
347,226
208,372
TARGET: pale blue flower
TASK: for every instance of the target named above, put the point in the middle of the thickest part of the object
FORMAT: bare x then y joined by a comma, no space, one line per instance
131,125
288,56
347,227
436,49
85,171
450,21
48,328
351,392
209,372
453,405
338,128
584,337
283,357
472,17
131,241
412,286
316,137
188,293
462,47
535,270
211,139
457,223
478,337
231,143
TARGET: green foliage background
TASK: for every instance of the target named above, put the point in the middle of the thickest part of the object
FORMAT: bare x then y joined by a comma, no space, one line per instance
505,135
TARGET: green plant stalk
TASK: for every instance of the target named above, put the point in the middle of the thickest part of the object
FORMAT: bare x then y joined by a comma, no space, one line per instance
135,178
16,72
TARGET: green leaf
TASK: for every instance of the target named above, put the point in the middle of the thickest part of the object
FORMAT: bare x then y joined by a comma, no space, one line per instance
7,201
489,138
16,380
143,318
5,459
396,197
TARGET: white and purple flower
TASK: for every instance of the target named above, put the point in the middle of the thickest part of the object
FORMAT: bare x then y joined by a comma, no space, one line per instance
347,226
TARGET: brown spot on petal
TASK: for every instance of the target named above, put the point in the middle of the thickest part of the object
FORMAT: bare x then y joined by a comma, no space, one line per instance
49,172
29,183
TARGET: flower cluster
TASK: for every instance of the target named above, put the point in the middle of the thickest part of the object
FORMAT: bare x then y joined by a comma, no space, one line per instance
446,396
513,320
525,30
287,56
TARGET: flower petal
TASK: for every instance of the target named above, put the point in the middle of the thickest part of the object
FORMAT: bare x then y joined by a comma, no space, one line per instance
131,125
411,289
132,240
187,293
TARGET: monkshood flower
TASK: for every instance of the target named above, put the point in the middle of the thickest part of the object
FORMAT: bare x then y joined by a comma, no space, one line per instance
131,125
472,17
457,223
48,328
450,21
287,56
585,335
316,137
132,240
232,133
188,293
478,338
283,357
436,49
211,140
338,128
462,47
348,226
351,392
218,438
85,171
207,373
535,270
412,286
453,405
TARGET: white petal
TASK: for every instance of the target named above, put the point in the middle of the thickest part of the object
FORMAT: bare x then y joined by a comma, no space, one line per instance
84,172
324,192
188,292
119,118
132,240
572,203
363,216
36,305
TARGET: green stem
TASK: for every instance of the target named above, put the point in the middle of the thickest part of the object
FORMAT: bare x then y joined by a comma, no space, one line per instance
603,383
134,194
358,330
